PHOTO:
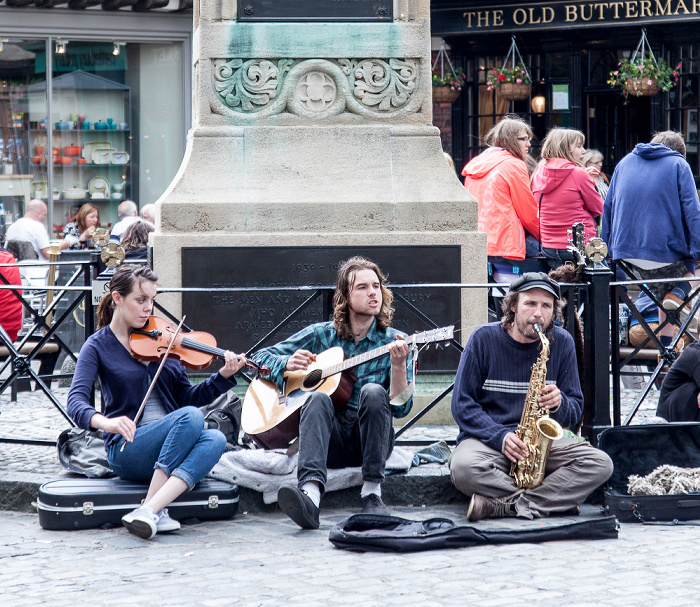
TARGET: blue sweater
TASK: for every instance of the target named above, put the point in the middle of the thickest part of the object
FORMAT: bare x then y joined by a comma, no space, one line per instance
124,382
493,378
652,210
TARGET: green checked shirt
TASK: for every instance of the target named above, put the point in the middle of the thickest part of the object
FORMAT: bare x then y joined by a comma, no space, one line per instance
322,336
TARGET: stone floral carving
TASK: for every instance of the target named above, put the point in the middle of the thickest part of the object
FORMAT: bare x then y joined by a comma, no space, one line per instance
315,88
316,91
383,85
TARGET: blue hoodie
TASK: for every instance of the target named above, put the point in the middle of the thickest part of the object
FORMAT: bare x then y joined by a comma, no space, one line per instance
652,210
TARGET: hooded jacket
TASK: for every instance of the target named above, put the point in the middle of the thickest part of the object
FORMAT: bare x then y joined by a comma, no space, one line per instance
500,183
568,196
652,210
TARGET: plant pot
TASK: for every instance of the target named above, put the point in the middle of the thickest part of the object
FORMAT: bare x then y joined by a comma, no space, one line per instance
512,91
642,87
444,94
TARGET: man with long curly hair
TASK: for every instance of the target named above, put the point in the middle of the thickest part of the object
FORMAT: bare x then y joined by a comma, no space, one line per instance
360,434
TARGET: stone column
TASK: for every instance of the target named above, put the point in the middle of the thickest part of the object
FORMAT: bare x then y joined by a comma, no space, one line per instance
315,133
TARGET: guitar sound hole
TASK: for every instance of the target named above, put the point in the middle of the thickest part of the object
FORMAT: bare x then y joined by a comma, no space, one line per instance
312,379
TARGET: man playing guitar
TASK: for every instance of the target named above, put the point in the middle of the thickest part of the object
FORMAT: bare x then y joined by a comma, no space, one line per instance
361,434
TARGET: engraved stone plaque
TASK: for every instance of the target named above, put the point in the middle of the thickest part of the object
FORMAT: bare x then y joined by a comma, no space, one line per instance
239,319
315,10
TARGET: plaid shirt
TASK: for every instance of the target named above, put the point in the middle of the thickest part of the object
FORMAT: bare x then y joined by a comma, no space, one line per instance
320,337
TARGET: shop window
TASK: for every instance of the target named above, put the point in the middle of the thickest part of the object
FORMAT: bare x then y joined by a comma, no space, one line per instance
113,128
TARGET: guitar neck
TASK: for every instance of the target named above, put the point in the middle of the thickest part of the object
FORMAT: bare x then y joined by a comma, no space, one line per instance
361,358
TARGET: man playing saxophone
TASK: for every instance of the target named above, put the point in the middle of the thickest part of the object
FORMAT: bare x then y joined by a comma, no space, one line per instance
491,386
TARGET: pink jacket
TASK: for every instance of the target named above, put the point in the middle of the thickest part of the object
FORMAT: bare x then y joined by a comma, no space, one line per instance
500,183
568,196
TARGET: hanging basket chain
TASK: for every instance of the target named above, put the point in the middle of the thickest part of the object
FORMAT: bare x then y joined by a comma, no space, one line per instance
441,56
645,48
511,56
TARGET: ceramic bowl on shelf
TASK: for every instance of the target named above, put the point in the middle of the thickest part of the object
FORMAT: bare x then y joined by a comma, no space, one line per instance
102,155
72,150
64,160
61,125
119,157
75,193
37,159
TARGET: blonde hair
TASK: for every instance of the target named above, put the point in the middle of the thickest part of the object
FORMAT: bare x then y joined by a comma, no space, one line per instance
505,133
592,155
558,143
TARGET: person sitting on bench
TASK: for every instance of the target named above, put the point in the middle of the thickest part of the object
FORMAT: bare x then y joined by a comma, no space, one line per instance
679,400
167,444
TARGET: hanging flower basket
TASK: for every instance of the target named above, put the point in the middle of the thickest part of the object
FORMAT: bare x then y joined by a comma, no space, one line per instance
642,75
512,91
444,94
638,87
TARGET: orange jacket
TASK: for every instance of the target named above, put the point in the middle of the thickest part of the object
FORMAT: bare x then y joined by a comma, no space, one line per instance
500,183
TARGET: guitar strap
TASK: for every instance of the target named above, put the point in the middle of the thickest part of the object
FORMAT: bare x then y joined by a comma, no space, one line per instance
403,396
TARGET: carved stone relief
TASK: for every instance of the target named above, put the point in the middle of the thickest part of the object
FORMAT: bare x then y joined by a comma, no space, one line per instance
315,88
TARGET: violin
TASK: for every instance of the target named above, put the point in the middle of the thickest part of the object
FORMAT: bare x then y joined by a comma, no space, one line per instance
195,349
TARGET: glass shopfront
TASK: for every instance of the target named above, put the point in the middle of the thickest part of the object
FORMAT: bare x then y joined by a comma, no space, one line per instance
88,121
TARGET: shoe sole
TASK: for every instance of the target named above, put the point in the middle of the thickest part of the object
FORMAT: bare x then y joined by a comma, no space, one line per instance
683,314
139,528
291,504
470,511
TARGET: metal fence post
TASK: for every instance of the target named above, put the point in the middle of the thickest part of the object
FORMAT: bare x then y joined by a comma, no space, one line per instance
596,353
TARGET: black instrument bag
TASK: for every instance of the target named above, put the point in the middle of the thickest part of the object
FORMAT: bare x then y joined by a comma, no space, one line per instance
387,533
91,503
640,450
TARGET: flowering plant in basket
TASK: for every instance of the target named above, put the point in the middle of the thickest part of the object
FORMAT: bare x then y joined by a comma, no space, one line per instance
495,77
646,72
453,78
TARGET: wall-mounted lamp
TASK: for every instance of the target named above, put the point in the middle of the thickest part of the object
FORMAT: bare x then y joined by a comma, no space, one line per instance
61,47
538,104
117,47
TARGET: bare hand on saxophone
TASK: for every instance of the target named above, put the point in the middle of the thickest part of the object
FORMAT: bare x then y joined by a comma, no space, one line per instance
550,397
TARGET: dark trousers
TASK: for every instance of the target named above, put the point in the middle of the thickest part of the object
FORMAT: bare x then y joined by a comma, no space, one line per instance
351,438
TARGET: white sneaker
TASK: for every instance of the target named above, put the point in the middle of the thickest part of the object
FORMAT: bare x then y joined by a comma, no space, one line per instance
142,522
165,523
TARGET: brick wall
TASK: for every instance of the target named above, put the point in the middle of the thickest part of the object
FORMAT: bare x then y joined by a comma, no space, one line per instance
442,118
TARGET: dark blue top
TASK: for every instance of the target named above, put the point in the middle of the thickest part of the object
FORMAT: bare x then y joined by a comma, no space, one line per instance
124,382
493,378
652,210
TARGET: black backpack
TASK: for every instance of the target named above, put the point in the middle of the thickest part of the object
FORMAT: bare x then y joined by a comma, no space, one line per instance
224,414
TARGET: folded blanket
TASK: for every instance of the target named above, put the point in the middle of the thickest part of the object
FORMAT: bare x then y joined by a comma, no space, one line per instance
266,471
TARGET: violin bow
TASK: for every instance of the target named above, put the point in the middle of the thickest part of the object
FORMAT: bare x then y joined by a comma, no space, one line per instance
155,377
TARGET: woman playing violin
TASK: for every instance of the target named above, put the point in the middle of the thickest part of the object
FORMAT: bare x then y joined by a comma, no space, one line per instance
167,445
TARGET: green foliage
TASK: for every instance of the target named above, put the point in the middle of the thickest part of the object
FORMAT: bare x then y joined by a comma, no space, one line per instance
517,75
450,79
644,69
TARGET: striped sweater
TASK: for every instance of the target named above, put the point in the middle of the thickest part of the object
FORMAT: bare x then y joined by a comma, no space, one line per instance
493,377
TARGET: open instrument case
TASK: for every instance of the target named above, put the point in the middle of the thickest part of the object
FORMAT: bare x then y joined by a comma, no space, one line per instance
91,503
640,450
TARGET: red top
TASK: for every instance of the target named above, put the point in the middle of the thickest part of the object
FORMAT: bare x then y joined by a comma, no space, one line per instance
568,196
10,306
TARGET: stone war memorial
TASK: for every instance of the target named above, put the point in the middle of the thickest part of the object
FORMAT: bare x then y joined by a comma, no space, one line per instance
312,141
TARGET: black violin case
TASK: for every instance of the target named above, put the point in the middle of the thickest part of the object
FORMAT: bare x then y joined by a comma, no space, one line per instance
91,503
640,450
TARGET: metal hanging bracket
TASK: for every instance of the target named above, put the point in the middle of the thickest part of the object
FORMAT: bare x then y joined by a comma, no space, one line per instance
512,52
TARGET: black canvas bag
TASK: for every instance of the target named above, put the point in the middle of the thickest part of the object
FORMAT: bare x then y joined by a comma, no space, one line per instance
640,450
385,533
91,503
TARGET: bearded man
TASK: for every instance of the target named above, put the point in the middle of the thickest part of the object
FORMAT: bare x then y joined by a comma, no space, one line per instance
487,403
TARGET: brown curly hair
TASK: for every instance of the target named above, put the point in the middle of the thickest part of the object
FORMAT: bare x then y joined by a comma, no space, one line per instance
125,279
341,300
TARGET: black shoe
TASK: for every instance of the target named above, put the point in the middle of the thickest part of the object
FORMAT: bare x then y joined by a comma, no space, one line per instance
373,504
298,507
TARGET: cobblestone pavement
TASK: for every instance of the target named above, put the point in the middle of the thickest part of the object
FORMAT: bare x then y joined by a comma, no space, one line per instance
266,561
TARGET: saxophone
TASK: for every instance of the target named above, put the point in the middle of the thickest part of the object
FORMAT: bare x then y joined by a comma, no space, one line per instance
536,429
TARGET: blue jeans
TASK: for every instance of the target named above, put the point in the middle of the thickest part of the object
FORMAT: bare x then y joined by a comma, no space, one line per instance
177,444
350,438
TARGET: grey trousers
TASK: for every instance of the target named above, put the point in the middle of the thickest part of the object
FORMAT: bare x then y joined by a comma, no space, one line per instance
573,471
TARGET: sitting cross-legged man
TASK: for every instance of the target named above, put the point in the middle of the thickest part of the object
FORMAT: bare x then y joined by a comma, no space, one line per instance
490,391
360,434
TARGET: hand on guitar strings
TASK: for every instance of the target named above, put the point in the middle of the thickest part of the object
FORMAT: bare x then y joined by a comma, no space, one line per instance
398,351
300,360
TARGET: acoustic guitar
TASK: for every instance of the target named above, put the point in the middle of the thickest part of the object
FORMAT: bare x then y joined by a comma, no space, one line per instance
271,416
